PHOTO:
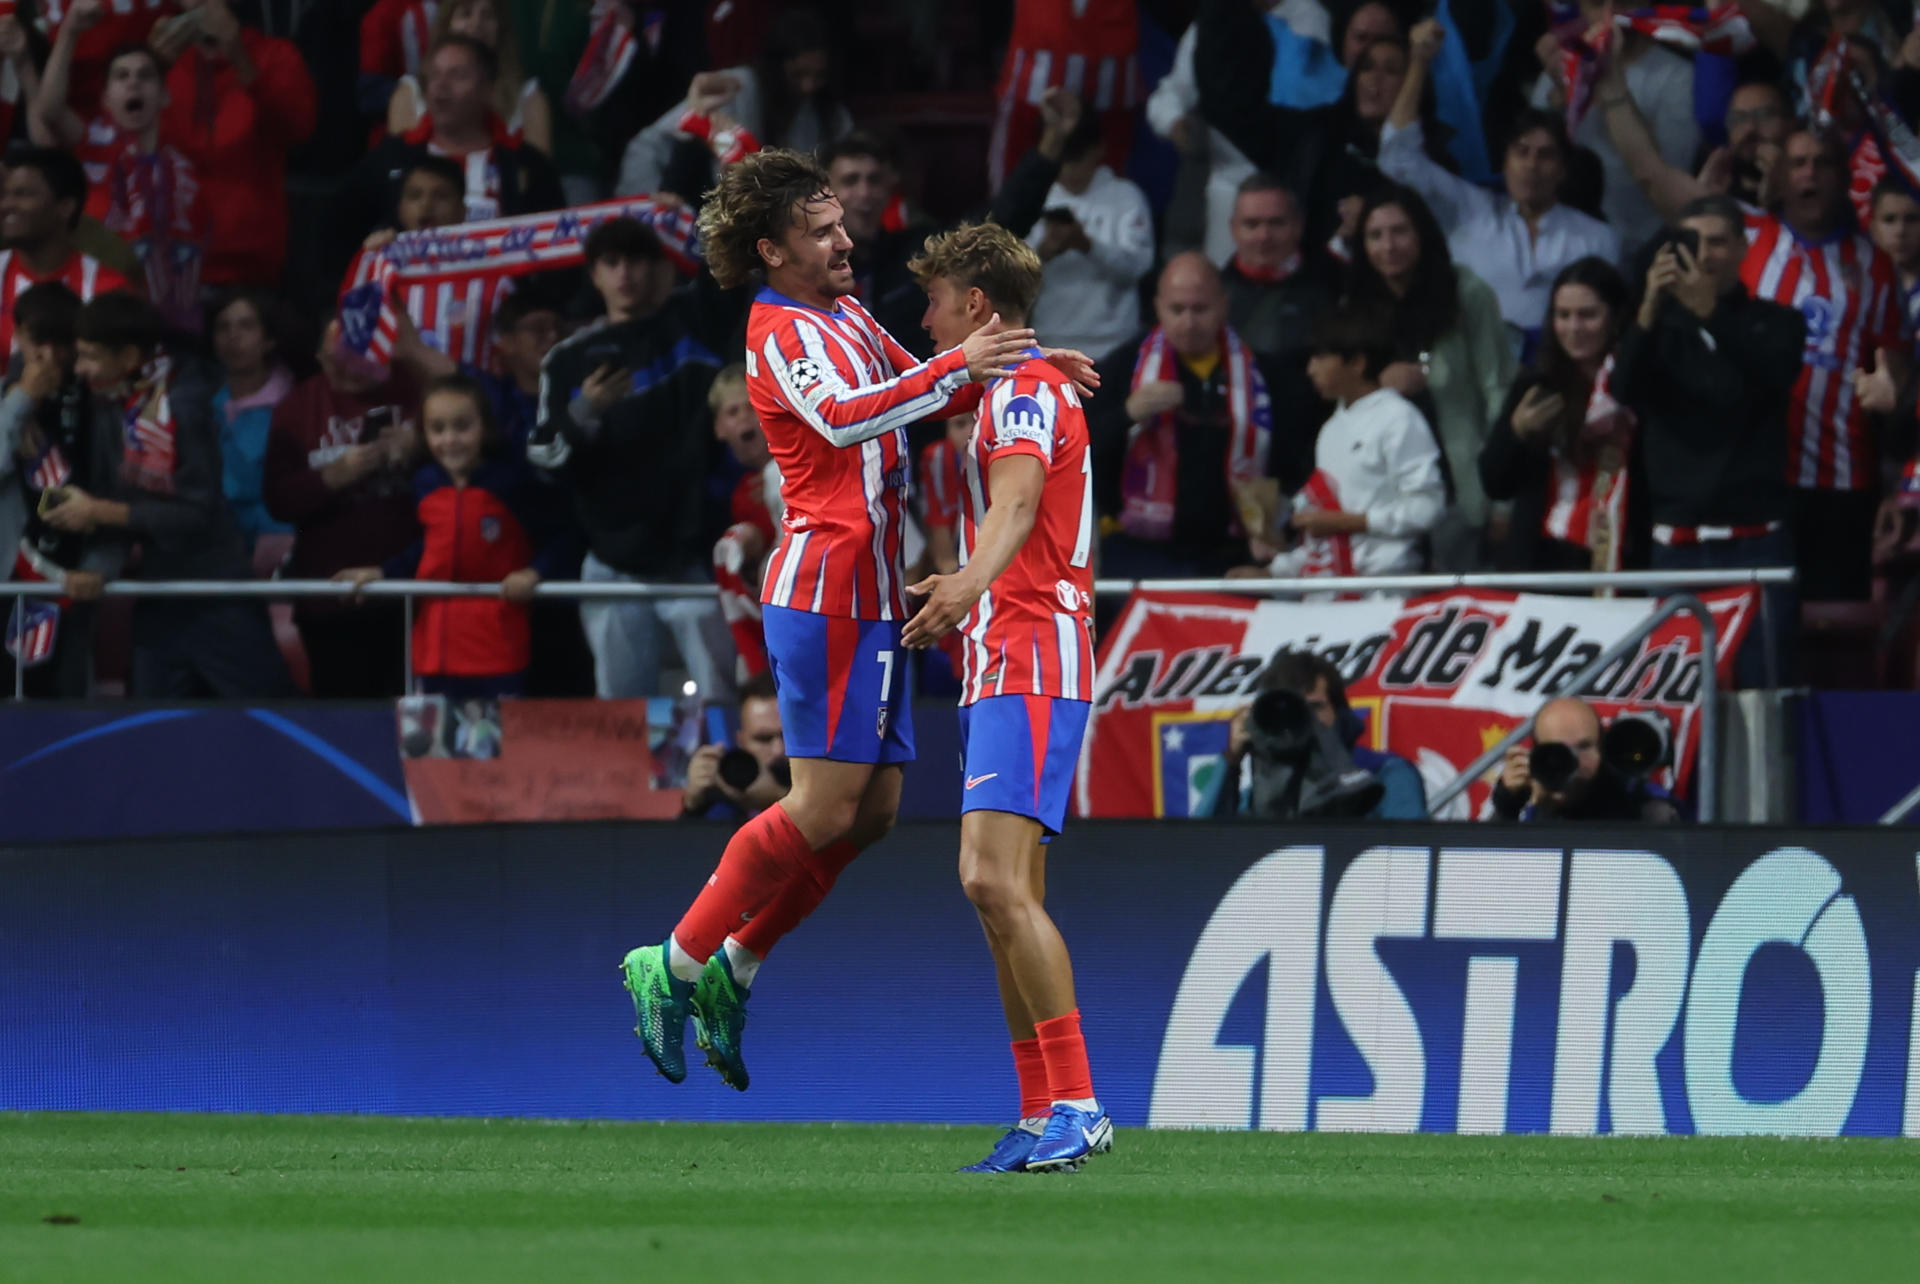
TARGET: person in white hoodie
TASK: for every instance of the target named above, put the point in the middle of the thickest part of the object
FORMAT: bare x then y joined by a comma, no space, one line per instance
1377,488
1095,240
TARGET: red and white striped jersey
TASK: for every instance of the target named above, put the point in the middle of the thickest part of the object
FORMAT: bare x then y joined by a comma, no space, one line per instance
454,314
835,393
1849,293
85,275
395,36
1088,46
940,483
1031,633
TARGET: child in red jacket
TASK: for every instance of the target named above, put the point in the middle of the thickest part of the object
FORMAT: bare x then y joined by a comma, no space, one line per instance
473,532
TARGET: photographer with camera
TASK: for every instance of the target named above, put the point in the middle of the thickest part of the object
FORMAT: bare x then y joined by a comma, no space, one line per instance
1577,771
737,781
1299,745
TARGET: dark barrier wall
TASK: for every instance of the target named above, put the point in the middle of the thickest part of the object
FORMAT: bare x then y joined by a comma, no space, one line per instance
1383,977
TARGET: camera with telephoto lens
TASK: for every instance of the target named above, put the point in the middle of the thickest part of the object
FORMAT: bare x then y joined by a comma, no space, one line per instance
1300,766
1634,745
739,769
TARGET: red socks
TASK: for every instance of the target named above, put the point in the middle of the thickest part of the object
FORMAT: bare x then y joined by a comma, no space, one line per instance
1031,1067
1065,1055
765,855
799,897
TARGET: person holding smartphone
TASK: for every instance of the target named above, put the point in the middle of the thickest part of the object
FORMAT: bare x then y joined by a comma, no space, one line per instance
619,405
1708,372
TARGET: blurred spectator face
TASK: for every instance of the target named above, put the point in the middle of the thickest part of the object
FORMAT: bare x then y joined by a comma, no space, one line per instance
738,429
1077,171
1896,229
960,431
1369,23
106,370
476,18
815,251
1814,175
342,375
459,94
240,339
1723,247
525,344
1266,229
1376,79
133,96
946,318
807,72
632,286
760,732
1756,114
1191,305
1534,170
864,185
456,434
429,200
1336,378
28,213
1392,244
1582,324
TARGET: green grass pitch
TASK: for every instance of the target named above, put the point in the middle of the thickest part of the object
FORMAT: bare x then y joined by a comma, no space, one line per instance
208,1197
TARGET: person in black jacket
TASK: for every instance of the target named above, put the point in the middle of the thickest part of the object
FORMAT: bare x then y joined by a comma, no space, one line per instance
459,124
1709,371
1561,451
623,415
156,452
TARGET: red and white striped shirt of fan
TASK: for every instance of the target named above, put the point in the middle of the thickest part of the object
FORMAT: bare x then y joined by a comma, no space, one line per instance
394,37
835,394
1032,632
85,275
1849,293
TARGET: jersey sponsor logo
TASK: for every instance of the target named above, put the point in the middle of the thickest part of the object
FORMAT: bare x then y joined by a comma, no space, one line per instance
1024,420
980,780
1070,596
804,373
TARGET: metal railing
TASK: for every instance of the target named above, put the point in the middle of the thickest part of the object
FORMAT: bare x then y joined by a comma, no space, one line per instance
1552,582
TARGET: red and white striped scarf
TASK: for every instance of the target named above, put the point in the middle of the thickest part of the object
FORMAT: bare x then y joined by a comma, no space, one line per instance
1587,487
1150,478
155,208
1722,29
148,456
1323,555
369,310
611,46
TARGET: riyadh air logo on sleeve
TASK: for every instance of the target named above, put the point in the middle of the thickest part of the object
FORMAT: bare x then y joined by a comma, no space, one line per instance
1022,419
804,373
1070,596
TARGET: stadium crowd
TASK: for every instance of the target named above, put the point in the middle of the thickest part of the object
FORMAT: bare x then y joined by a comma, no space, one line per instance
1526,287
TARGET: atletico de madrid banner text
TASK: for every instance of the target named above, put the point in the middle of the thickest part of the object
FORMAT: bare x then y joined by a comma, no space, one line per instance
1439,678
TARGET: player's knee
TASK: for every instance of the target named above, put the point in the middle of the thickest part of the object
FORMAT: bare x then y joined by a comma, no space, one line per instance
869,827
990,886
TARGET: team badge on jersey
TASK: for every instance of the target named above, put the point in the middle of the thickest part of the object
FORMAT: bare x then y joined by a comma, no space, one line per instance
490,529
880,723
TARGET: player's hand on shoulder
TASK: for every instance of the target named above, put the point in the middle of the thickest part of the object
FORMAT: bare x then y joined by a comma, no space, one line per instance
1075,365
948,599
993,351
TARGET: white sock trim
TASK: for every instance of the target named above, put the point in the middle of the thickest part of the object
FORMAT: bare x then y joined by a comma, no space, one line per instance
683,964
744,962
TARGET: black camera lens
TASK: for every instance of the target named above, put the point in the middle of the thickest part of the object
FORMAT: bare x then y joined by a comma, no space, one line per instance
782,772
1279,725
1633,746
1553,765
738,768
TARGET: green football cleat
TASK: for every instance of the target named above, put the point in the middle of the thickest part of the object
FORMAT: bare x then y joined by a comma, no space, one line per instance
660,1002
719,1015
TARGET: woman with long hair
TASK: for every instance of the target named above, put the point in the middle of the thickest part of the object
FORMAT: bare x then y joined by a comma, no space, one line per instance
1562,448
519,100
787,98
252,335
1453,356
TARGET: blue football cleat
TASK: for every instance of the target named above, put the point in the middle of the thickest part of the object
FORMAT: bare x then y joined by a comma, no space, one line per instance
1011,1151
1071,1136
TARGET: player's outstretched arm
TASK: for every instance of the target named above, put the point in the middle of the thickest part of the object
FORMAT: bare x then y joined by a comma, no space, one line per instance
1014,483
797,358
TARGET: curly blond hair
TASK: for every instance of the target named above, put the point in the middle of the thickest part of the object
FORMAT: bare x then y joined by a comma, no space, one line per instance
985,256
757,199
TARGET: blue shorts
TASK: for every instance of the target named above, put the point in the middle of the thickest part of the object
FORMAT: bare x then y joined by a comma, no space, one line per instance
1020,752
842,686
